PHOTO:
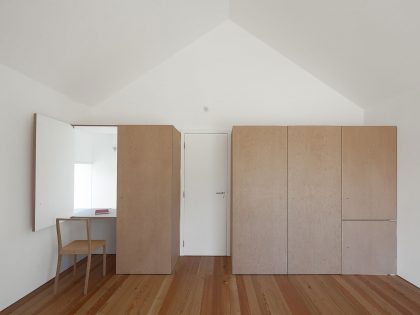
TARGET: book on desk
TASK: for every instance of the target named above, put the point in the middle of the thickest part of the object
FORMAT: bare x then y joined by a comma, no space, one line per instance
101,211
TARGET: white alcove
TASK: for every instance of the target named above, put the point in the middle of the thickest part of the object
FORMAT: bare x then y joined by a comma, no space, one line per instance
75,170
95,168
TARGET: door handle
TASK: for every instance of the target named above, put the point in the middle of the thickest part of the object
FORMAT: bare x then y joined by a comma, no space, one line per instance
221,193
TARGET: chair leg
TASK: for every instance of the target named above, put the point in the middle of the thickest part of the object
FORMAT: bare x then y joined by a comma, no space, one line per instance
57,274
89,258
104,261
74,264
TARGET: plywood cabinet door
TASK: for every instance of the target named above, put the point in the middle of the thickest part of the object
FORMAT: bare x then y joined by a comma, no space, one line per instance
369,173
369,247
314,194
259,200
145,204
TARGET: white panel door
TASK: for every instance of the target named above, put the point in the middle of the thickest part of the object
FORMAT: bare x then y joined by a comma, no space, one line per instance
205,188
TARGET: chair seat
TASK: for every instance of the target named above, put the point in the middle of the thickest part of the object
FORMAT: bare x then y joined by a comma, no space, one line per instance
81,247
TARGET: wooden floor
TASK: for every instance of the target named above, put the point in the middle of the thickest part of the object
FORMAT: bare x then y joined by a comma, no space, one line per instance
204,285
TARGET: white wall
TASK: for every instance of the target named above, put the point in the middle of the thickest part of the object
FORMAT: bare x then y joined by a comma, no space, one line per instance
104,171
104,186
238,77
405,112
28,258
82,197
83,146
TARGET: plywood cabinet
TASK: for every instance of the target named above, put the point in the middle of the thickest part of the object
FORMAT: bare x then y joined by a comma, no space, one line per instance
369,247
314,200
369,200
369,173
259,200
148,199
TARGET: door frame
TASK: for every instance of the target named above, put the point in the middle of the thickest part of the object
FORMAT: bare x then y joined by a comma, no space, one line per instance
228,186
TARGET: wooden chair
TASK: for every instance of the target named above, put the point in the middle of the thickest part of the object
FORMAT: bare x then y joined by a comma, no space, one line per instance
79,247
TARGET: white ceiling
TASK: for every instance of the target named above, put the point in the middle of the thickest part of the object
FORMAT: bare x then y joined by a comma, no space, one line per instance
368,50
89,49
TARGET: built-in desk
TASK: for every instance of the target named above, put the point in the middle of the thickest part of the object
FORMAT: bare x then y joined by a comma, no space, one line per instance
103,226
90,213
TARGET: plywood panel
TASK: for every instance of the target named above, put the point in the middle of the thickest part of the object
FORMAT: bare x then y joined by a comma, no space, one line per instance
369,173
176,190
144,199
259,210
369,247
314,200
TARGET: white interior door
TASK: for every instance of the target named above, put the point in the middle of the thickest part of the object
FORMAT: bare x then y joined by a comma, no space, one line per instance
205,188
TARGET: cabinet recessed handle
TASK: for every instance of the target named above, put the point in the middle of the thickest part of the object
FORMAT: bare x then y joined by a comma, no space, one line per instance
220,193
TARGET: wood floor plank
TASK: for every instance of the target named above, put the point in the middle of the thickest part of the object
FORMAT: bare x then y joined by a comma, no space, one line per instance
160,297
235,307
205,285
402,287
122,298
184,294
187,265
372,297
403,283
397,302
316,292
93,305
294,300
357,299
270,297
206,266
194,300
243,296
253,301
341,297
141,300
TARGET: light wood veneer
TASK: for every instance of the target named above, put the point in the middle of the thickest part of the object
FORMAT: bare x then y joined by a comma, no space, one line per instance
148,199
259,208
314,200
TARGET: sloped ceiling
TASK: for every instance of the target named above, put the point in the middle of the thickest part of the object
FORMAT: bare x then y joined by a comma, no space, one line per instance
238,78
89,49
368,50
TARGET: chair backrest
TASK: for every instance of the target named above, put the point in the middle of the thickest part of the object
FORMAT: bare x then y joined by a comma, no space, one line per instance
57,224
